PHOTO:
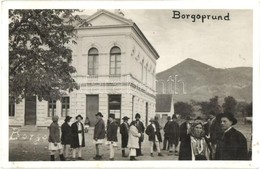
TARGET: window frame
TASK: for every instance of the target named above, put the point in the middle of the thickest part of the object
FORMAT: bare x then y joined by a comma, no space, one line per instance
93,65
115,60
53,104
65,100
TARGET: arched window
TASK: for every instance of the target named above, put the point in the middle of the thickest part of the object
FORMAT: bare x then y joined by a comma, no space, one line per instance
92,61
115,61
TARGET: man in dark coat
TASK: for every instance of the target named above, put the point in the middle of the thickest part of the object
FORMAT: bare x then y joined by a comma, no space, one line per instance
184,128
66,136
174,134
153,137
99,134
166,130
112,135
140,127
124,128
213,131
233,144
78,137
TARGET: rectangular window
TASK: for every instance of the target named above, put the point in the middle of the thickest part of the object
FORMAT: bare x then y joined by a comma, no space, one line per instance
65,106
11,106
51,108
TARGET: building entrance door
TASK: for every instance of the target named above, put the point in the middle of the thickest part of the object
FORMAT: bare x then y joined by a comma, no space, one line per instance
30,110
114,106
92,108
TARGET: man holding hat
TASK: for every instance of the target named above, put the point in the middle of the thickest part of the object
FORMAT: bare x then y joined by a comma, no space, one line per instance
124,128
153,136
99,134
66,136
140,127
78,139
112,135
233,144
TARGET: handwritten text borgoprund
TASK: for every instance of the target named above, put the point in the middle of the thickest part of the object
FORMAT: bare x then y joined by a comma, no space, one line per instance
199,17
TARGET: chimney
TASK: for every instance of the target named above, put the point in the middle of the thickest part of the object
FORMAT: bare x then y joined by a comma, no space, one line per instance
119,12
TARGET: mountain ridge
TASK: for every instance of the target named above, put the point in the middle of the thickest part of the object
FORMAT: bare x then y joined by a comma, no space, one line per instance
195,79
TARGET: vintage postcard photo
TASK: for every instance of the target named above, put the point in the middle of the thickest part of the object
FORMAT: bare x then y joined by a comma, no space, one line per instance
95,85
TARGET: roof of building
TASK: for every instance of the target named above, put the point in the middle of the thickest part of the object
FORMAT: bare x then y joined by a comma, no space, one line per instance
163,102
124,22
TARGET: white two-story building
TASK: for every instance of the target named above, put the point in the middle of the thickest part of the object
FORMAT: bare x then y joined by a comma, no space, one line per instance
116,67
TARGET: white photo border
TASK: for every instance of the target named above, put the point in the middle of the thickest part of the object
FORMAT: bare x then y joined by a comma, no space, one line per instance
185,4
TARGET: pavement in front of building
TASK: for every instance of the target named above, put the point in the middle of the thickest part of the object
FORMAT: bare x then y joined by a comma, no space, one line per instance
32,145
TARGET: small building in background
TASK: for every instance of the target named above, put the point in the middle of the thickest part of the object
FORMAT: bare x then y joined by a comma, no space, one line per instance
164,105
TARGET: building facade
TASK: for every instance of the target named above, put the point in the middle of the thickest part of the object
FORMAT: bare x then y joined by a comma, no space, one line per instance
116,68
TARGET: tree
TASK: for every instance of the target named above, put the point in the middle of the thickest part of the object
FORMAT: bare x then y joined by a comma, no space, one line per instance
230,104
183,109
210,106
242,107
39,54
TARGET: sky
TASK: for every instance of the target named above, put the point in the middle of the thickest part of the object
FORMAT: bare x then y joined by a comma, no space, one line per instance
221,44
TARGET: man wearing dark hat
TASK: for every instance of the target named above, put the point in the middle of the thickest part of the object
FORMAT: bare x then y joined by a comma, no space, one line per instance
78,139
140,127
99,134
174,135
124,128
153,137
233,144
166,130
66,136
112,135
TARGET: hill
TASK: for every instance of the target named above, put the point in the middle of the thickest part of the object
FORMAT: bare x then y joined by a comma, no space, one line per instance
198,81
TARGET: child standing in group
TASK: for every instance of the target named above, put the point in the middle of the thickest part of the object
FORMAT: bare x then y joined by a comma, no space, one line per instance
54,139
112,135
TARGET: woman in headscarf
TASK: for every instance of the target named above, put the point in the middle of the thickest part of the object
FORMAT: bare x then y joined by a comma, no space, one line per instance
54,139
195,146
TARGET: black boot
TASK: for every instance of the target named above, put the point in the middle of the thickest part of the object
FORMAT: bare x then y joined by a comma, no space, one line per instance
62,158
52,158
132,158
97,157
123,153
